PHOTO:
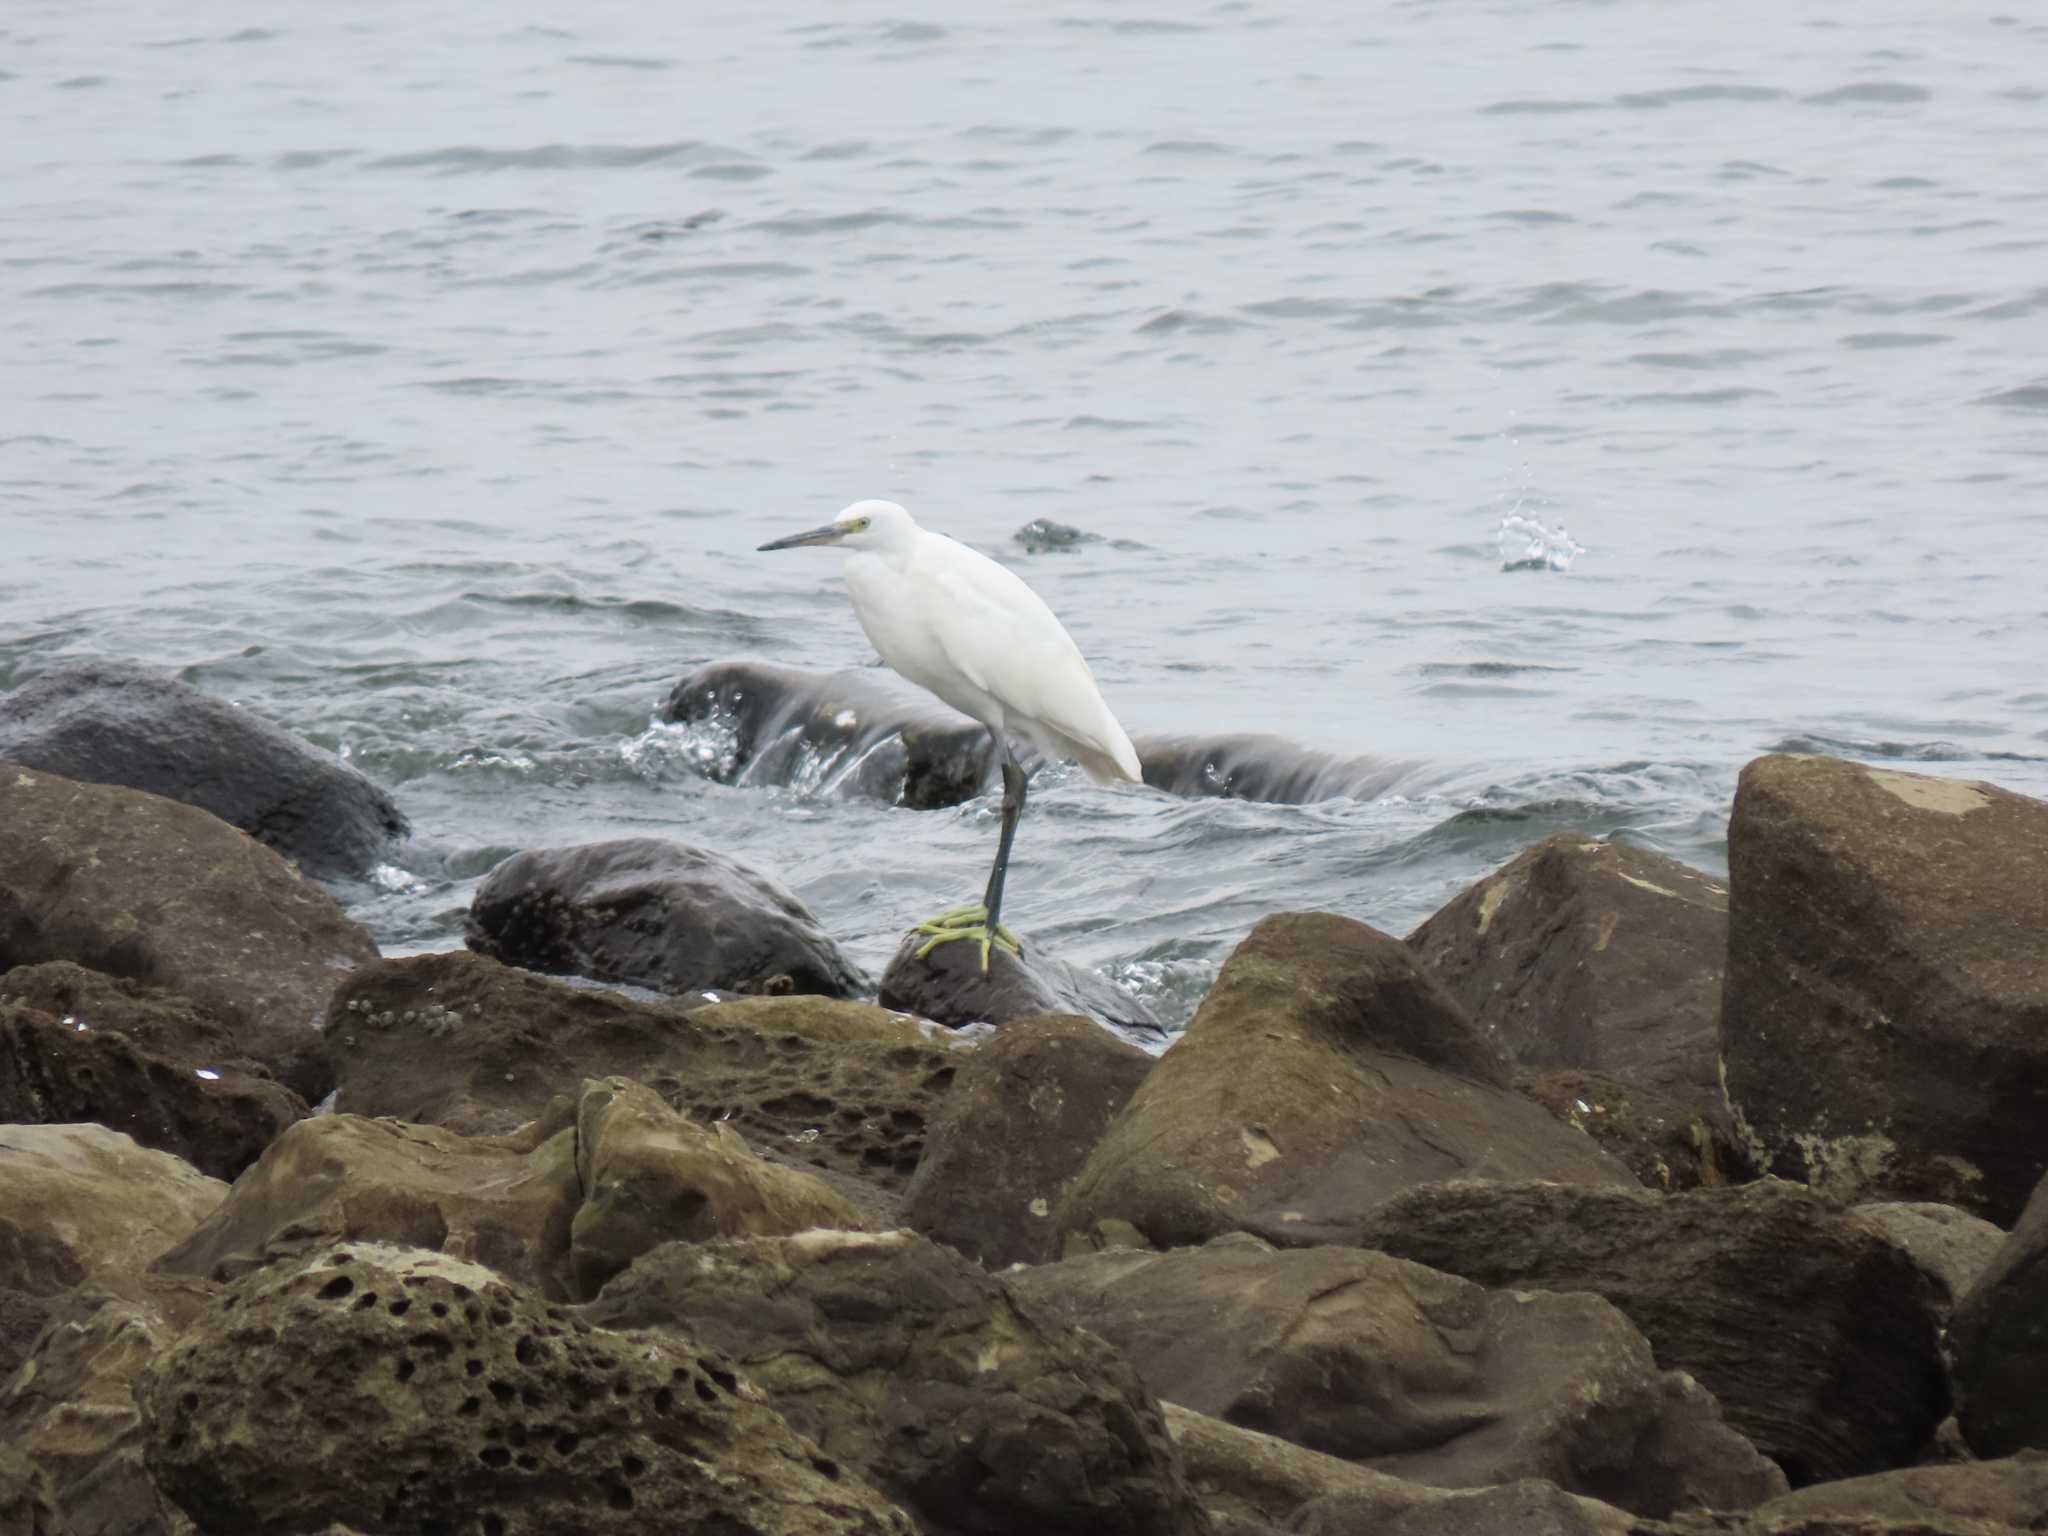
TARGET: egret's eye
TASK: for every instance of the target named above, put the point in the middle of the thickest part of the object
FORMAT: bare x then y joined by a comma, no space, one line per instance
858,525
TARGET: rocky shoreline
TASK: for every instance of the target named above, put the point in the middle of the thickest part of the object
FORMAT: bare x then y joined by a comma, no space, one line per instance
1614,1199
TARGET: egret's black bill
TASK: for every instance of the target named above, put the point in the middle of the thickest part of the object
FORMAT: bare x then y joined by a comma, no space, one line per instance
825,535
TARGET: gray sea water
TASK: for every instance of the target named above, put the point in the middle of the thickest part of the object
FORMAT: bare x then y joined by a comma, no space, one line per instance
424,377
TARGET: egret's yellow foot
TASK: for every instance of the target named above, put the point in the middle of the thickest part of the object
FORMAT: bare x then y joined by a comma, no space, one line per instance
967,923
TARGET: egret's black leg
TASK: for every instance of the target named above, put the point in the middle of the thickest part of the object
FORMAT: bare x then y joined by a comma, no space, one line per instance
1013,808
980,923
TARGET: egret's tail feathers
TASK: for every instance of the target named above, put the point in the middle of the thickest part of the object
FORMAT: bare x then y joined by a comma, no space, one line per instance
1117,766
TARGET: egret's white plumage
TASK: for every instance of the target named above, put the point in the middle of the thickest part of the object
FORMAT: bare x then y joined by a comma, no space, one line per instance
956,623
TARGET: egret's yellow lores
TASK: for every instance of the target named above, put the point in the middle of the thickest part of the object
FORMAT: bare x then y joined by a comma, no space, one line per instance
958,624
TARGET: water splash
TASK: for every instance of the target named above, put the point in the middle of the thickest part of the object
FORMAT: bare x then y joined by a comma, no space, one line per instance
1526,544
707,748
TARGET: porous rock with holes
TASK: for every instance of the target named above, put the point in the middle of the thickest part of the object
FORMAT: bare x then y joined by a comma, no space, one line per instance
409,1392
920,1370
463,1041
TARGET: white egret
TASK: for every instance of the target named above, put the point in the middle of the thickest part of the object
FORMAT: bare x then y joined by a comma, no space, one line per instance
963,627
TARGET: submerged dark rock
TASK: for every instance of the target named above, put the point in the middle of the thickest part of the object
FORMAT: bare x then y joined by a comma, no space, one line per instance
114,722
149,890
1042,534
664,915
949,986
1885,1022
1263,768
878,741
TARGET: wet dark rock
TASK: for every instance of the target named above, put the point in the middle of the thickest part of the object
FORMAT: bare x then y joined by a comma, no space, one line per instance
1595,957
1411,1372
114,722
847,728
1820,1337
81,1205
76,1045
1028,1106
909,1363
1263,768
1042,534
1885,1024
562,1207
28,1504
1324,1073
949,987
1999,1339
662,915
410,1391
146,889
459,1040
71,1408
1666,1142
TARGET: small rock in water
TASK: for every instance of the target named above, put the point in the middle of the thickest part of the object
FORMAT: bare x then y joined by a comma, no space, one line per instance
949,986
1042,534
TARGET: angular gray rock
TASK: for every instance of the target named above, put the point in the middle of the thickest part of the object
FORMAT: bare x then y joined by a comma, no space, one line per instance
949,987
1411,1372
917,1369
1324,1073
2011,1494
1028,1106
1820,1337
1999,1341
116,722
1529,1507
1593,956
411,1391
146,889
1952,1246
657,914
76,1045
1885,1021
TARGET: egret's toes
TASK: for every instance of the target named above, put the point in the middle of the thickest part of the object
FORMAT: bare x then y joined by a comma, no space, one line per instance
968,923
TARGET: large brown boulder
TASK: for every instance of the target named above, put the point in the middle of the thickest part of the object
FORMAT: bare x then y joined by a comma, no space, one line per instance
76,1045
462,1041
405,1391
81,1205
1023,1115
917,1369
28,1505
1999,1339
153,891
1411,1372
114,722
1885,1021
1324,1073
1820,1337
1594,956
669,916
561,1209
